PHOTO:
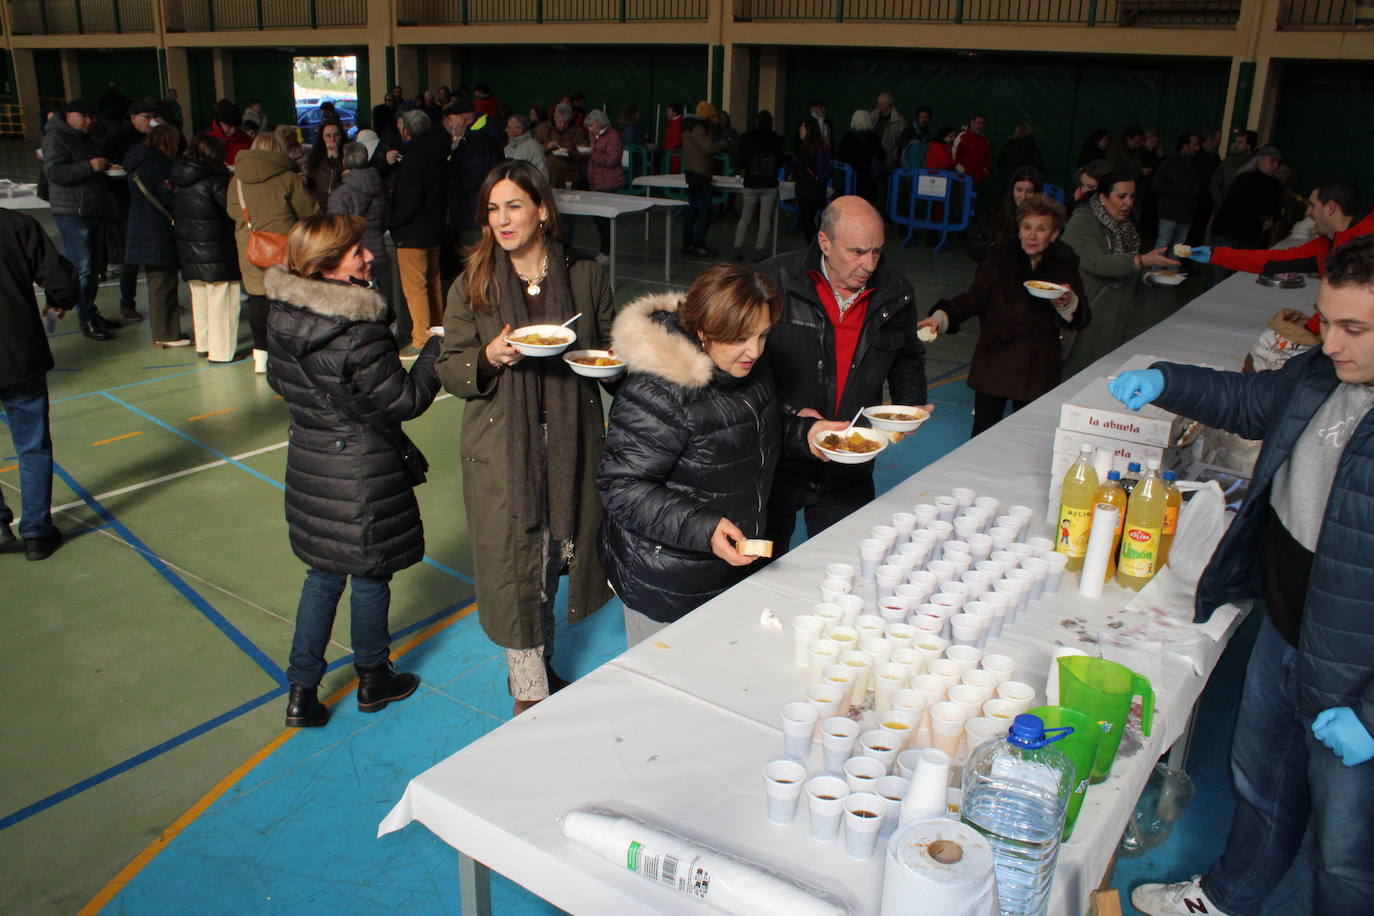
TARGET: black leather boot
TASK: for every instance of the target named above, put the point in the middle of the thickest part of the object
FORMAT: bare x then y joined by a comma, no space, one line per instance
304,708
382,685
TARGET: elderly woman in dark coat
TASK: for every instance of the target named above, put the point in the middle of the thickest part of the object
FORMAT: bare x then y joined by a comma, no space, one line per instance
694,434
350,471
149,243
1016,357
205,244
361,192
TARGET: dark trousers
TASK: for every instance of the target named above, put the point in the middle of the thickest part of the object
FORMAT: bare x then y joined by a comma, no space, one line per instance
988,410
82,239
164,303
821,509
697,217
128,287
808,210
26,414
603,229
257,321
369,604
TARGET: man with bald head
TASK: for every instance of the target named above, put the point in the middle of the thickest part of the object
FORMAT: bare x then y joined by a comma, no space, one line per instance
848,326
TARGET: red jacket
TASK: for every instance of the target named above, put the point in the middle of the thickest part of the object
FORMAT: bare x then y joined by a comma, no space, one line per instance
232,145
1303,256
490,106
940,156
974,153
672,134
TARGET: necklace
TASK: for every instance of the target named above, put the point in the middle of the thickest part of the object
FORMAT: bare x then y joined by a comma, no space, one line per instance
532,283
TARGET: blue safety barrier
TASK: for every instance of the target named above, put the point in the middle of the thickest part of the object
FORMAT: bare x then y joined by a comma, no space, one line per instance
1055,191
845,171
636,164
929,199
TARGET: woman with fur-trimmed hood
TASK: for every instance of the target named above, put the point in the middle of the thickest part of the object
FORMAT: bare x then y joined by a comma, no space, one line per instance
694,434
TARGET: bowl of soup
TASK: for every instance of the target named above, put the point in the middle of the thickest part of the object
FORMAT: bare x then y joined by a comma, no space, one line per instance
1044,289
855,445
541,339
594,363
896,418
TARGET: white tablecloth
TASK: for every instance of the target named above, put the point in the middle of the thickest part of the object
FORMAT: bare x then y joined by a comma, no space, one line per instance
734,183
676,730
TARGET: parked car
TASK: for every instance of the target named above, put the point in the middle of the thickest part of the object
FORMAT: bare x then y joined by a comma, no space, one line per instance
309,122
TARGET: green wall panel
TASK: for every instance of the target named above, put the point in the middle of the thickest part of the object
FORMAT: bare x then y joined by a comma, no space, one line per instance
1064,98
266,75
643,76
1321,128
199,98
135,72
47,67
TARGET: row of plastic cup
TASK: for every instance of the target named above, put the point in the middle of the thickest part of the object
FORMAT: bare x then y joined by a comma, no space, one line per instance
867,804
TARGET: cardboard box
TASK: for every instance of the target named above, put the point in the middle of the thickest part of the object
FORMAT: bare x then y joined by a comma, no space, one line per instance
1093,410
1123,452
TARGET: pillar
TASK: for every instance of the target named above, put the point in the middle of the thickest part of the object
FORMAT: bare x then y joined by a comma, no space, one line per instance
408,70
179,78
771,88
735,91
222,62
71,73
443,67
26,90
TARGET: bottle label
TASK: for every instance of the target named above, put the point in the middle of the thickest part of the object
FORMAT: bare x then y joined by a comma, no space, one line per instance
1171,519
1074,525
1139,550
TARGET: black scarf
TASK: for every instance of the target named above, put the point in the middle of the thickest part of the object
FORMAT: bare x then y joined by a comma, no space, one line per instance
532,483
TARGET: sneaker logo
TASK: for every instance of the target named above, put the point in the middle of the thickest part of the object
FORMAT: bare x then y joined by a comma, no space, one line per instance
1195,906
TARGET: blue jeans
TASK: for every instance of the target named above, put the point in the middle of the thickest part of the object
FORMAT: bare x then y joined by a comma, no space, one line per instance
26,414
81,238
1283,776
1171,232
697,218
370,600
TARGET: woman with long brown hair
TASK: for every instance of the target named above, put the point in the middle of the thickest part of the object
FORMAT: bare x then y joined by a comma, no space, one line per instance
350,471
532,429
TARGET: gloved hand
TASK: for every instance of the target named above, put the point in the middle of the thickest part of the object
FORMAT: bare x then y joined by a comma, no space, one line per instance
1137,387
1201,253
1342,731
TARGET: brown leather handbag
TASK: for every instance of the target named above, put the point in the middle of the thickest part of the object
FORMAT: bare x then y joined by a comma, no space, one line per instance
265,249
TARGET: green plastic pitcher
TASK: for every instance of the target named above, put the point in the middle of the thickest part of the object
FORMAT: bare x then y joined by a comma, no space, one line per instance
1080,746
1104,691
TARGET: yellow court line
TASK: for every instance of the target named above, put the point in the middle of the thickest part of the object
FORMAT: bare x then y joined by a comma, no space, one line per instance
10,468
164,839
137,432
213,413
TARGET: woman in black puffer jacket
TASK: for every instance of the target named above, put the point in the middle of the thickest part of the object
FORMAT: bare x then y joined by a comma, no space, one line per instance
205,244
693,438
149,242
350,501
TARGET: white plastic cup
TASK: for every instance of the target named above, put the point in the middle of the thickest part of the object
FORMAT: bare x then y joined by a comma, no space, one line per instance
892,789
847,637
943,530
966,656
925,581
1002,667
951,600
932,688
869,626
905,523
878,649
838,735
965,628
1041,546
1015,590
943,569
860,773
843,677
955,546
971,699
1022,551
805,627
977,581
985,681
872,551
901,724
798,726
830,615
928,623
820,653
947,506
917,551
961,562
783,781
842,571
1021,694
1027,580
988,503
1054,574
1039,569
979,546
998,708
1023,515
981,728
963,495
947,670
986,615
910,659
925,513
908,699
880,744
900,633
906,762
964,525
864,813
825,797
905,562
1010,522
979,515
885,533
886,579
931,647
826,698
851,606
1002,538
1008,559
888,678
832,589
947,727
994,568
1001,603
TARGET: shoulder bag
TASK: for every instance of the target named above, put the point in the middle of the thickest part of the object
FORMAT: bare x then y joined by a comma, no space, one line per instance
265,249
157,204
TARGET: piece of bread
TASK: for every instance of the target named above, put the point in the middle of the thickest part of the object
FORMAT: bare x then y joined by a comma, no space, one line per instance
1182,251
755,547
927,334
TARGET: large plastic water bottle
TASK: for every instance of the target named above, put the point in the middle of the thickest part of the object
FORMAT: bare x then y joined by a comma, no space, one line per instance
1015,794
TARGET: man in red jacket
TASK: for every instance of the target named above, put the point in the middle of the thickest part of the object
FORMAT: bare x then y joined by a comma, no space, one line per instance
972,151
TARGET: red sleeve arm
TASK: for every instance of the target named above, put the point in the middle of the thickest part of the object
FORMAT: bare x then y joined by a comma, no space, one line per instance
1253,260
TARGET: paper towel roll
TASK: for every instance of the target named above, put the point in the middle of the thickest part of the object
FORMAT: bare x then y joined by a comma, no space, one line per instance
1052,682
1101,538
939,866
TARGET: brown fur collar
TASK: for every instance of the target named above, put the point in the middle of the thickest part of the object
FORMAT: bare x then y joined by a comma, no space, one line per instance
651,346
352,303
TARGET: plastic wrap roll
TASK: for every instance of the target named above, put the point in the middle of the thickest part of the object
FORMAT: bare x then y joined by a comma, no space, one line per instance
1101,539
678,865
939,866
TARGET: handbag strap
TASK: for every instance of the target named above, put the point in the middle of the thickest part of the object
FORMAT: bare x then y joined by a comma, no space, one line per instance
157,204
247,220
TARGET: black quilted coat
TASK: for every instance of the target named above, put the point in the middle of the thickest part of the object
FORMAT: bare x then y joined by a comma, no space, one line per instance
686,445
149,242
204,231
350,504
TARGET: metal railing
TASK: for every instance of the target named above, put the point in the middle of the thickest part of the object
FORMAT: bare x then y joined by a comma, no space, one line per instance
1330,14
490,12
80,17
237,15
1069,12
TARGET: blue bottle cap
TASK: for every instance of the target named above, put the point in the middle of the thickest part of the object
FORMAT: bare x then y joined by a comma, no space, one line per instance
1170,476
1113,475
1133,466
1029,731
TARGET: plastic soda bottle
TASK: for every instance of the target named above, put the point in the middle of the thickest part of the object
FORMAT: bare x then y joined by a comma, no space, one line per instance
1112,493
1173,500
1016,793
1131,477
1076,508
1140,541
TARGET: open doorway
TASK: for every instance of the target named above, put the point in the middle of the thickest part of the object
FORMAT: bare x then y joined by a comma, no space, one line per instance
325,83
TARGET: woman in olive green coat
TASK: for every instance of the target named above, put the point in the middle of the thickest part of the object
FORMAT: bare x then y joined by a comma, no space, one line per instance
1109,258
532,429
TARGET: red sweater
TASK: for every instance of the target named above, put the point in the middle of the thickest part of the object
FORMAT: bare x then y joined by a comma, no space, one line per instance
232,145
847,330
974,153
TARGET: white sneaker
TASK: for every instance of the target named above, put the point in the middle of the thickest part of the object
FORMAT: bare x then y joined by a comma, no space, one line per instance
1182,899
602,258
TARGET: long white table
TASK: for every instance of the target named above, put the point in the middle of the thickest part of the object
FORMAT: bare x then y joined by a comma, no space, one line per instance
21,196
676,730
733,184
612,206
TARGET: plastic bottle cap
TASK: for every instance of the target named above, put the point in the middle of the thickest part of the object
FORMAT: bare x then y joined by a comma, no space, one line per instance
1029,731
1153,464
1170,476
1086,449
1113,475
1133,466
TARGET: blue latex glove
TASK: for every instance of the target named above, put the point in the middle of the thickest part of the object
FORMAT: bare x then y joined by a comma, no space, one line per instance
1138,387
1342,731
1201,253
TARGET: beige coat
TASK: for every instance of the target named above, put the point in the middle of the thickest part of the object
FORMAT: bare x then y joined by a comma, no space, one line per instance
276,197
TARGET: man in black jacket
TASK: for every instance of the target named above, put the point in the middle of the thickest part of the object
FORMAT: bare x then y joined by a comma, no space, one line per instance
417,222
28,256
472,153
848,327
